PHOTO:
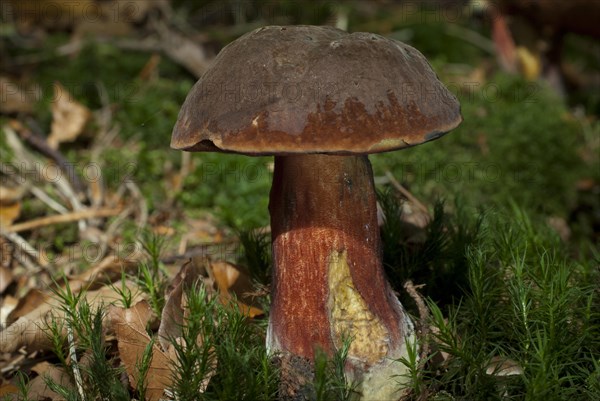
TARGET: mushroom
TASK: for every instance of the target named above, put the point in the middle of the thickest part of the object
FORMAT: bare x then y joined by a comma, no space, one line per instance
320,100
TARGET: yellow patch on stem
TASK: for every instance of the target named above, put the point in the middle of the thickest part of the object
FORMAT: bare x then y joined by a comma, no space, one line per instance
350,315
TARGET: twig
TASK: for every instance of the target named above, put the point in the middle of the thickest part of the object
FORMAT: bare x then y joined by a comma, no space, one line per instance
23,245
12,139
181,49
406,193
199,250
44,197
34,137
64,185
62,218
411,289
35,191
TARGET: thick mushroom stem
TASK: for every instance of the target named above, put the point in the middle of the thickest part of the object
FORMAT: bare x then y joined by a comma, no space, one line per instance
328,279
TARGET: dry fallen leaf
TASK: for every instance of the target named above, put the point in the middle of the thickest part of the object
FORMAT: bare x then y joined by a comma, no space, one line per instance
175,312
28,330
6,277
68,117
9,213
7,305
33,299
132,339
501,366
11,194
14,98
7,390
163,230
38,390
172,314
232,280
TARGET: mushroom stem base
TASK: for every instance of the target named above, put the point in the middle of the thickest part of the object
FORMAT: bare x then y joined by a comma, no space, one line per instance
328,279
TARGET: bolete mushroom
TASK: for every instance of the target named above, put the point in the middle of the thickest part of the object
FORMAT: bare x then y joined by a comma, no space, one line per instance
320,99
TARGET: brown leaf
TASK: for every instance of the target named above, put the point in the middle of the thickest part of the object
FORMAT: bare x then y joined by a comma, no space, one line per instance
6,278
7,305
130,329
163,230
8,389
501,366
173,313
32,300
38,390
68,117
14,99
9,213
233,280
11,194
176,311
28,330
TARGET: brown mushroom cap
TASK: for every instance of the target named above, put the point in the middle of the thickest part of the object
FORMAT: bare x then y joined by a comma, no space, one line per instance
314,89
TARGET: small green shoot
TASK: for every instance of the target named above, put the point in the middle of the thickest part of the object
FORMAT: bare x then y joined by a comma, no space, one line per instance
151,277
123,291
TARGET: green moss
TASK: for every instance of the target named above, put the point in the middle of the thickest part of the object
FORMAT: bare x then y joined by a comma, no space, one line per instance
516,142
149,110
438,32
236,186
